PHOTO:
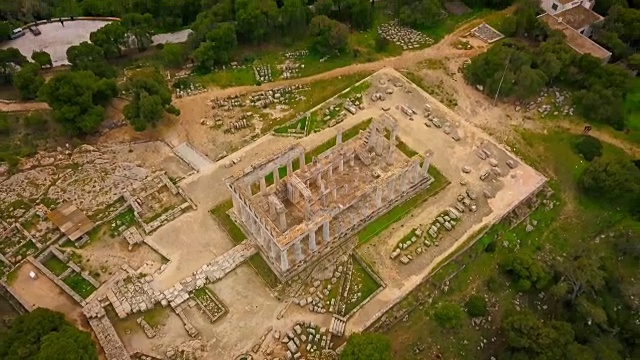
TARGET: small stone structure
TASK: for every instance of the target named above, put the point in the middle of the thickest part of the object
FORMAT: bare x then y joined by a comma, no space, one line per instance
486,33
405,37
105,332
312,210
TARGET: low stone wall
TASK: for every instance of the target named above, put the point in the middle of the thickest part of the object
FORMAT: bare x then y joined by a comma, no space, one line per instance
25,304
375,277
57,281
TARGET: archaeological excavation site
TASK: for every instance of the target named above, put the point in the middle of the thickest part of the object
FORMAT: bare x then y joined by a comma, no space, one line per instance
278,247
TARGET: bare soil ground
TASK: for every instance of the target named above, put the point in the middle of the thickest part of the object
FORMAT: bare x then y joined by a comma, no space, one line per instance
42,292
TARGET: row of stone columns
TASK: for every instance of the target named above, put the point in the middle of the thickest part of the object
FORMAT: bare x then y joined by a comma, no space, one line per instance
282,256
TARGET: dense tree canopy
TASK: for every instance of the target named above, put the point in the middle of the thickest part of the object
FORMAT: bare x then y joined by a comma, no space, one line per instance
111,38
140,28
150,98
89,57
78,99
616,180
218,48
448,315
589,147
28,81
42,58
329,36
367,347
10,60
45,335
526,271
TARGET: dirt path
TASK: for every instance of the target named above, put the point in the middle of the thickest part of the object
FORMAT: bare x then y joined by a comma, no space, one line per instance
23,106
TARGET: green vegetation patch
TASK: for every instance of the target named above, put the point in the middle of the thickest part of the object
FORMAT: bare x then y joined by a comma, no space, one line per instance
55,265
365,284
156,316
401,210
79,285
263,269
220,213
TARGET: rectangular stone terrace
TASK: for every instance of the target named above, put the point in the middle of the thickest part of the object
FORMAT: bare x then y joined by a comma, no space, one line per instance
309,212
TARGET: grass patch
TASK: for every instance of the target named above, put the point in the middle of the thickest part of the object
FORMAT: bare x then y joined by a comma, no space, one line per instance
443,27
156,316
12,276
263,269
346,135
79,285
299,126
437,91
56,266
368,285
401,210
319,92
220,214
355,90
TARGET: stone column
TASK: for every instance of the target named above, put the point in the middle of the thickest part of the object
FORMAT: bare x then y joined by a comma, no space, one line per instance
290,168
276,176
378,196
325,231
391,188
297,250
284,260
282,219
274,251
330,170
416,172
319,179
237,205
425,165
341,163
263,185
303,164
334,193
403,181
339,137
352,159
312,240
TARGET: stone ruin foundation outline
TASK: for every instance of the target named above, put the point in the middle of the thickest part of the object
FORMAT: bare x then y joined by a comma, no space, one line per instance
312,210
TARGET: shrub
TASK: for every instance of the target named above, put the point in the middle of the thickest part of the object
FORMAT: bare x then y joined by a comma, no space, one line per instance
448,315
491,247
476,306
588,147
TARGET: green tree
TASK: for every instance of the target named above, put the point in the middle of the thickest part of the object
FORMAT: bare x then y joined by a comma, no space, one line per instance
42,58
173,55
529,82
367,346
255,19
294,18
45,334
580,272
526,15
529,338
361,14
10,59
421,14
218,48
111,38
614,180
5,126
328,35
5,30
448,315
526,271
476,306
150,98
323,7
589,147
633,62
28,81
89,57
77,99
140,27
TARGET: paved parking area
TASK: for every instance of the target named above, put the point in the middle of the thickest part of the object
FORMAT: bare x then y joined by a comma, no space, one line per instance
56,38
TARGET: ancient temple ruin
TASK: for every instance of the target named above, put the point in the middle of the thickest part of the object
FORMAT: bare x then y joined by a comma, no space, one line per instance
316,206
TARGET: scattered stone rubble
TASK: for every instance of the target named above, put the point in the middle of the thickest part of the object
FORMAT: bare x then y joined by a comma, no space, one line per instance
290,68
406,37
189,90
262,73
304,339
